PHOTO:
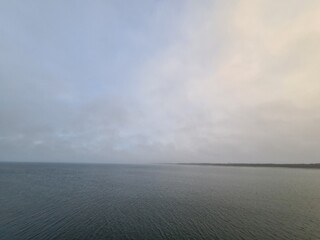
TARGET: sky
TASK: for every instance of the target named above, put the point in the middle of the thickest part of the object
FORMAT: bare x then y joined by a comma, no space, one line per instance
153,81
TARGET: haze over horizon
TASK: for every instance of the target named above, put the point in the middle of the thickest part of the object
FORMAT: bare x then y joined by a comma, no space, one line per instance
160,81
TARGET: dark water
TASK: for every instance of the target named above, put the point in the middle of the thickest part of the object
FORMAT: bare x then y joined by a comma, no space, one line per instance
52,201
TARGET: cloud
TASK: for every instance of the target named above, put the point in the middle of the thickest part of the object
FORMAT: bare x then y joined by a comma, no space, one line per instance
203,81
242,86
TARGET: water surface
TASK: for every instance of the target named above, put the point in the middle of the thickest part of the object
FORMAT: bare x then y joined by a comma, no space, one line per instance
82,201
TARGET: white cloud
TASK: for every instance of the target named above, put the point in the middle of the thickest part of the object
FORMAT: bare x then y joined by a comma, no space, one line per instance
220,81
208,92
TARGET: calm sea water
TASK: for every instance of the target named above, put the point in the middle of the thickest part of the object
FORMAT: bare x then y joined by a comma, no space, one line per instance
70,201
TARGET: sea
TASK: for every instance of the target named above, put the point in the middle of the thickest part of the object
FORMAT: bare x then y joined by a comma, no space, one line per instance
40,201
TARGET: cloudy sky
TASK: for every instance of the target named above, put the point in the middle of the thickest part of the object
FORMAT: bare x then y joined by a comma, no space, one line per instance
160,81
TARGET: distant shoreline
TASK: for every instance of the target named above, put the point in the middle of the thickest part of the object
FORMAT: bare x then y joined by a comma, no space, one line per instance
273,165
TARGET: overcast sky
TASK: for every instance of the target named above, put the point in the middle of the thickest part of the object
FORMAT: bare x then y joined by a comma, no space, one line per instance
160,81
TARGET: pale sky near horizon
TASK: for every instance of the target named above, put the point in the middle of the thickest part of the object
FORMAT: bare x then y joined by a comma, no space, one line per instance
160,81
